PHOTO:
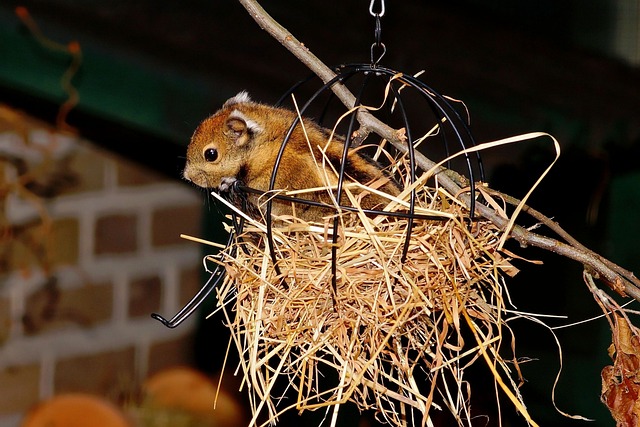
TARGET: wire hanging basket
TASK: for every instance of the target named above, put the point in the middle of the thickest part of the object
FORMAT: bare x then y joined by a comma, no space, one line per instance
445,124
369,306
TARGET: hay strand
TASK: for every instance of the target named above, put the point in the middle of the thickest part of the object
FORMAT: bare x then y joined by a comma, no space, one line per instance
389,336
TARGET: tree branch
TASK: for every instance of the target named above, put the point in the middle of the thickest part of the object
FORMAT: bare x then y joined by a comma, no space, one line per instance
617,278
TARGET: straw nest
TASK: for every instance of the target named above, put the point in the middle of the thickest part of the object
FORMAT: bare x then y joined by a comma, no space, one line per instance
389,334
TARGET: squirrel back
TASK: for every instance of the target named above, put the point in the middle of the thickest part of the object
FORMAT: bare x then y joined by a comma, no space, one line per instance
241,142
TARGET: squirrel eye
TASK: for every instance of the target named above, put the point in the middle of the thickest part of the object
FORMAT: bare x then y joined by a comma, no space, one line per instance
210,154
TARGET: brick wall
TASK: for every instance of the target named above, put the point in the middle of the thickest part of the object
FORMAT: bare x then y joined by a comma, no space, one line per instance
89,247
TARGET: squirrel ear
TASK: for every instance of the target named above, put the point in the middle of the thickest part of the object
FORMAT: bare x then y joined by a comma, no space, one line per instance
240,98
240,128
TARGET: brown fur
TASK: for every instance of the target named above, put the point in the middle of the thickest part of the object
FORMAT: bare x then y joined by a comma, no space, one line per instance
248,135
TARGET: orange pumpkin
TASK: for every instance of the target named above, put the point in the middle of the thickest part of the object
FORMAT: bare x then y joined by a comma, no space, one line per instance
193,392
75,410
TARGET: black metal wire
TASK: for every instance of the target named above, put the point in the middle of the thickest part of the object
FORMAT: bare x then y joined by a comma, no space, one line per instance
412,176
214,280
441,108
276,166
446,117
373,212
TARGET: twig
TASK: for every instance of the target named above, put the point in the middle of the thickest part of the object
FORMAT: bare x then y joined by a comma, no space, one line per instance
620,280
574,245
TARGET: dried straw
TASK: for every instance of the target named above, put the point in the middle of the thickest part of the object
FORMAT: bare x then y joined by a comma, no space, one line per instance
389,337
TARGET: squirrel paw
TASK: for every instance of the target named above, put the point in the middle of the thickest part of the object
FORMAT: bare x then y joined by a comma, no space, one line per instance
226,184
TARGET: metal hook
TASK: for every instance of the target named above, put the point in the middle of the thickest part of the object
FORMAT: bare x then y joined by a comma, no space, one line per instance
373,47
377,33
195,302
382,8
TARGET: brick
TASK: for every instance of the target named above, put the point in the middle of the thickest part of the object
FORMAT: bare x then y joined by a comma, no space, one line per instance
133,174
17,121
191,280
46,154
5,169
144,296
5,320
52,308
24,248
20,388
41,308
175,352
169,223
63,242
105,374
87,305
88,163
115,234
5,255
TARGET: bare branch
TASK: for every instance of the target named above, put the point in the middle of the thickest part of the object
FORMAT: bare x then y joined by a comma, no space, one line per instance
619,279
368,122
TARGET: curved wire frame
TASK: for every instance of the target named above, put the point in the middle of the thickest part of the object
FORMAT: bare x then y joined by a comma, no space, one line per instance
453,131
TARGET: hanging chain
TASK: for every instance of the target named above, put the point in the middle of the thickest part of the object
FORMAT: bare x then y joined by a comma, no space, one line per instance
377,45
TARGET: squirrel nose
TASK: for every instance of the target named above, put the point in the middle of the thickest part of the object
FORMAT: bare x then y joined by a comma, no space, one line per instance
185,174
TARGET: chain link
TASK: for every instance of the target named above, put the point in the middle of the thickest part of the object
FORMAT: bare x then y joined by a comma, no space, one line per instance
371,7
377,45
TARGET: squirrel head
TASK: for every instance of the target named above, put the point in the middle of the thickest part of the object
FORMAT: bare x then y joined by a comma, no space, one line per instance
220,146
